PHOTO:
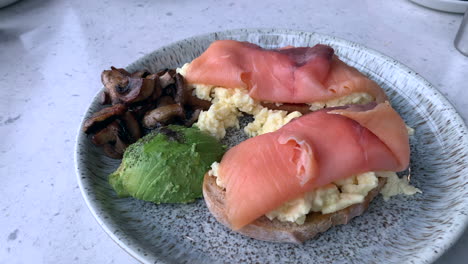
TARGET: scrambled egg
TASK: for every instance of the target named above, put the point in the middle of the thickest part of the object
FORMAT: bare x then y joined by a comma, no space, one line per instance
354,98
410,130
214,172
341,194
267,120
396,185
229,104
327,199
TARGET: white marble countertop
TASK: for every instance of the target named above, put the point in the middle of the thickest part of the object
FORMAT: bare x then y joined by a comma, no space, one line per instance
52,53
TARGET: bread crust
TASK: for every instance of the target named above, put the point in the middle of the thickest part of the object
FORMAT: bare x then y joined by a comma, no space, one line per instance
277,231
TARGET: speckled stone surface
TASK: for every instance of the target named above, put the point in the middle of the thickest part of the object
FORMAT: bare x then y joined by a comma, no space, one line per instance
51,56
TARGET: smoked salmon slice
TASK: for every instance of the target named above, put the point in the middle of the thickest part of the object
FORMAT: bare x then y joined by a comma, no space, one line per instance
288,75
393,133
263,172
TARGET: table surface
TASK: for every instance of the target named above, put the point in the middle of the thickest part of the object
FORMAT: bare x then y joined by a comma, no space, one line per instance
52,53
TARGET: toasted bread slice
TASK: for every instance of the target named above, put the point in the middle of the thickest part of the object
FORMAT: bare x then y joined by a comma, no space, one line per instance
277,231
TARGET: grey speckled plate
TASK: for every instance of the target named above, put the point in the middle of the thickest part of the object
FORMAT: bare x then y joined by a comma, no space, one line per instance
404,230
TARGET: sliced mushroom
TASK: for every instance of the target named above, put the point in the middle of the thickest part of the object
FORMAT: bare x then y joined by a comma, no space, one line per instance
140,110
120,147
110,139
184,95
181,89
131,127
162,72
126,128
157,91
166,79
124,89
196,102
103,117
303,108
189,122
114,150
140,101
162,115
104,98
121,70
107,135
165,100
172,72
139,90
170,90
115,83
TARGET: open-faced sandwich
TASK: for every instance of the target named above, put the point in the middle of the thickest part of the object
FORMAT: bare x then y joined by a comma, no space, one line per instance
325,139
321,139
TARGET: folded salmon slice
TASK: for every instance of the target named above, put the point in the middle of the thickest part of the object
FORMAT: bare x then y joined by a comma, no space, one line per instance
288,75
392,133
316,149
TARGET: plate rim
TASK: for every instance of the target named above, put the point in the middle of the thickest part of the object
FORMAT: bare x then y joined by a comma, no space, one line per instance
447,6
457,231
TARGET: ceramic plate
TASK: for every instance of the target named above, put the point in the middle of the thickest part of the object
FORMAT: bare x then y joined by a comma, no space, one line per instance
453,6
414,229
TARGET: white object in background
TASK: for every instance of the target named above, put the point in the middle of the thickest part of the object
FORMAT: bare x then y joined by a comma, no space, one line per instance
454,6
461,40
